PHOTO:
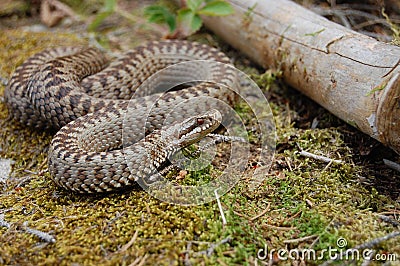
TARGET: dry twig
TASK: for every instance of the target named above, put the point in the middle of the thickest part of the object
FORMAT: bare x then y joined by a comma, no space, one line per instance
260,214
389,220
208,252
367,245
297,240
42,235
319,157
392,165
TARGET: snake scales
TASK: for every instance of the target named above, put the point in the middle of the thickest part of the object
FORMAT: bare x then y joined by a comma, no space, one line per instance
79,92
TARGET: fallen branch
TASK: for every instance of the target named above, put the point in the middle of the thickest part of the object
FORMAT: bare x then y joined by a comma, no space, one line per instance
355,77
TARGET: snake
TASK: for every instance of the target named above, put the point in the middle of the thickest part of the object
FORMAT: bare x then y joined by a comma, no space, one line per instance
115,124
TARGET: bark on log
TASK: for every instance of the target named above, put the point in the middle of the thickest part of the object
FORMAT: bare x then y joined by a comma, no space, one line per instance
353,76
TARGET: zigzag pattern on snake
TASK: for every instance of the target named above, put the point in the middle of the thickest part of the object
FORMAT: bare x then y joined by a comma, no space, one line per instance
79,91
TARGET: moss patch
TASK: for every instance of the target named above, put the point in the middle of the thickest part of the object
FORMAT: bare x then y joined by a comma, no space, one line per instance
301,203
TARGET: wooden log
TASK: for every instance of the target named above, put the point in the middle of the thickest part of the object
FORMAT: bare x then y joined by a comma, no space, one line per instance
353,76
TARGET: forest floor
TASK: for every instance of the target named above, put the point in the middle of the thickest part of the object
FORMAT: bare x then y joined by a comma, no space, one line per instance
301,203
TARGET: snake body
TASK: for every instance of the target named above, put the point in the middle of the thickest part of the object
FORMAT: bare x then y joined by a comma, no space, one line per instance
79,92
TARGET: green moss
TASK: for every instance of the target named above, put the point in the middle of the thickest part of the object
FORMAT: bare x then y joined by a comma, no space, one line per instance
380,87
298,197
19,45
10,7
84,8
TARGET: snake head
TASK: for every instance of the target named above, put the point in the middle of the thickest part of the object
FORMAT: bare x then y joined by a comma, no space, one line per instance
197,127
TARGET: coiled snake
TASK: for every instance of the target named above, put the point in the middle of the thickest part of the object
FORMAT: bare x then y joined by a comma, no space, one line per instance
78,91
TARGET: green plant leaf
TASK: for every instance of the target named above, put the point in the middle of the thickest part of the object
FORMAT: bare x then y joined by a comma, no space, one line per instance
98,19
109,5
185,16
196,24
194,4
108,8
160,14
190,22
216,8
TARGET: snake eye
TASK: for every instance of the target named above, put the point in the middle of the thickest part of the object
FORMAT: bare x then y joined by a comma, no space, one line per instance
200,121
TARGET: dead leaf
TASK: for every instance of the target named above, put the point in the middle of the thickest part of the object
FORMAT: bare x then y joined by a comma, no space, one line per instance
53,11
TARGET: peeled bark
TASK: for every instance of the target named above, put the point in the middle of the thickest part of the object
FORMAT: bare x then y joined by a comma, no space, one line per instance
355,77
